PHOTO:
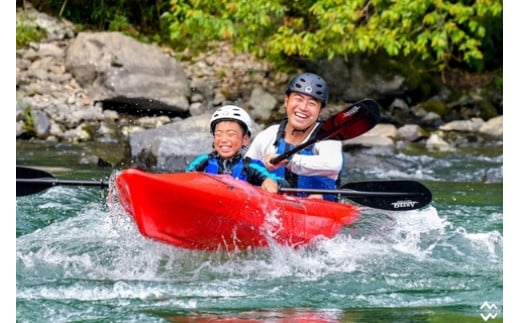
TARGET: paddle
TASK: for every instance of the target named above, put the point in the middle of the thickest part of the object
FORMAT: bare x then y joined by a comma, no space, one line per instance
386,195
349,123
30,181
398,195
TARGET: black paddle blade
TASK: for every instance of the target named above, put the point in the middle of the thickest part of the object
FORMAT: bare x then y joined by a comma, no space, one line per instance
398,195
352,122
28,188
30,181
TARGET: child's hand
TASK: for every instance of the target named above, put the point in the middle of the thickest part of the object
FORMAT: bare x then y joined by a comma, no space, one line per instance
270,185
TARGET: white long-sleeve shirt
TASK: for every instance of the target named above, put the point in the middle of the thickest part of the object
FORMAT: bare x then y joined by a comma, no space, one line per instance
326,161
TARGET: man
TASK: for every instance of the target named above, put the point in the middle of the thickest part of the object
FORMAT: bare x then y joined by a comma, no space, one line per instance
317,166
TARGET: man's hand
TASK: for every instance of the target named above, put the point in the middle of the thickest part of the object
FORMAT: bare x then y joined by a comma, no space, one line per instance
267,162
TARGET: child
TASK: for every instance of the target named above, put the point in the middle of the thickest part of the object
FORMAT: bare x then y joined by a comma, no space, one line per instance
231,129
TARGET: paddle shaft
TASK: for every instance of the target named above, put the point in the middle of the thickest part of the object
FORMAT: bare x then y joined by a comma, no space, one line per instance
54,182
289,153
348,193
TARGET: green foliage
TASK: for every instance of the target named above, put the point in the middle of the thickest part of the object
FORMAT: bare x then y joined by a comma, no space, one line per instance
440,32
26,33
29,119
434,105
130,17
248,24
487,110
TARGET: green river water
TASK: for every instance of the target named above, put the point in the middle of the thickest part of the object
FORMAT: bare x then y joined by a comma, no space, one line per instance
79,259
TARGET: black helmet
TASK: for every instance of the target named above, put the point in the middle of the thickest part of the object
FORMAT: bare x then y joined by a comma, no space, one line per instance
310,84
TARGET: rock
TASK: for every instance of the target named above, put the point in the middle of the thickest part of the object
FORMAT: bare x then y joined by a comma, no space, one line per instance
435,142
109,64
493,127
262,103
472,125
411,133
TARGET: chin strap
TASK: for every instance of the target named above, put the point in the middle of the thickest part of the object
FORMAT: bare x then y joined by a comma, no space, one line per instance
298,130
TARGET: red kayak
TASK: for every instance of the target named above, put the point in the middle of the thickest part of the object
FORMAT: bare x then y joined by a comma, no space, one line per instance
209,212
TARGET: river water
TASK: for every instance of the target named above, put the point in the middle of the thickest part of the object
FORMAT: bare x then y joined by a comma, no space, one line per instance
80,259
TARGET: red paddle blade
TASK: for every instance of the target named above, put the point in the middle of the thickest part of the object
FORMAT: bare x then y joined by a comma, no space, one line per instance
352,122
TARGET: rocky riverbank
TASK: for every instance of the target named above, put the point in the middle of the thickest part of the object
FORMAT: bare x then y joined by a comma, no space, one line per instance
107,87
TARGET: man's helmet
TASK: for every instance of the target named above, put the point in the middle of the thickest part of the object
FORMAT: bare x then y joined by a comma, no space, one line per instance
310,84
232,112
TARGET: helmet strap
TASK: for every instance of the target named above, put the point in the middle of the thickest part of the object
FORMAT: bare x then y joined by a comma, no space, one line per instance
299,130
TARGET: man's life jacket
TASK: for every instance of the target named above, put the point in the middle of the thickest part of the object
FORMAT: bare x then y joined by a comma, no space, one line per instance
301,181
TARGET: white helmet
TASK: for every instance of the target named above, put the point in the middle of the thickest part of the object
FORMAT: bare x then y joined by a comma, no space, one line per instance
231,112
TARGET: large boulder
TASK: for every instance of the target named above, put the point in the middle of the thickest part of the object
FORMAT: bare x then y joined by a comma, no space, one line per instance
111,64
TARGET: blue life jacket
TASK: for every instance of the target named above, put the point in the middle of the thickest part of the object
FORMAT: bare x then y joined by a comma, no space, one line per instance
301,181
237,171
209,163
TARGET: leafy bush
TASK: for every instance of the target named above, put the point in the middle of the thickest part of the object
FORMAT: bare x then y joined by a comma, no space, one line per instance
440,32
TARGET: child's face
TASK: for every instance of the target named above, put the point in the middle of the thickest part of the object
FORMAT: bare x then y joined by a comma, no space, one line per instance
229,138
